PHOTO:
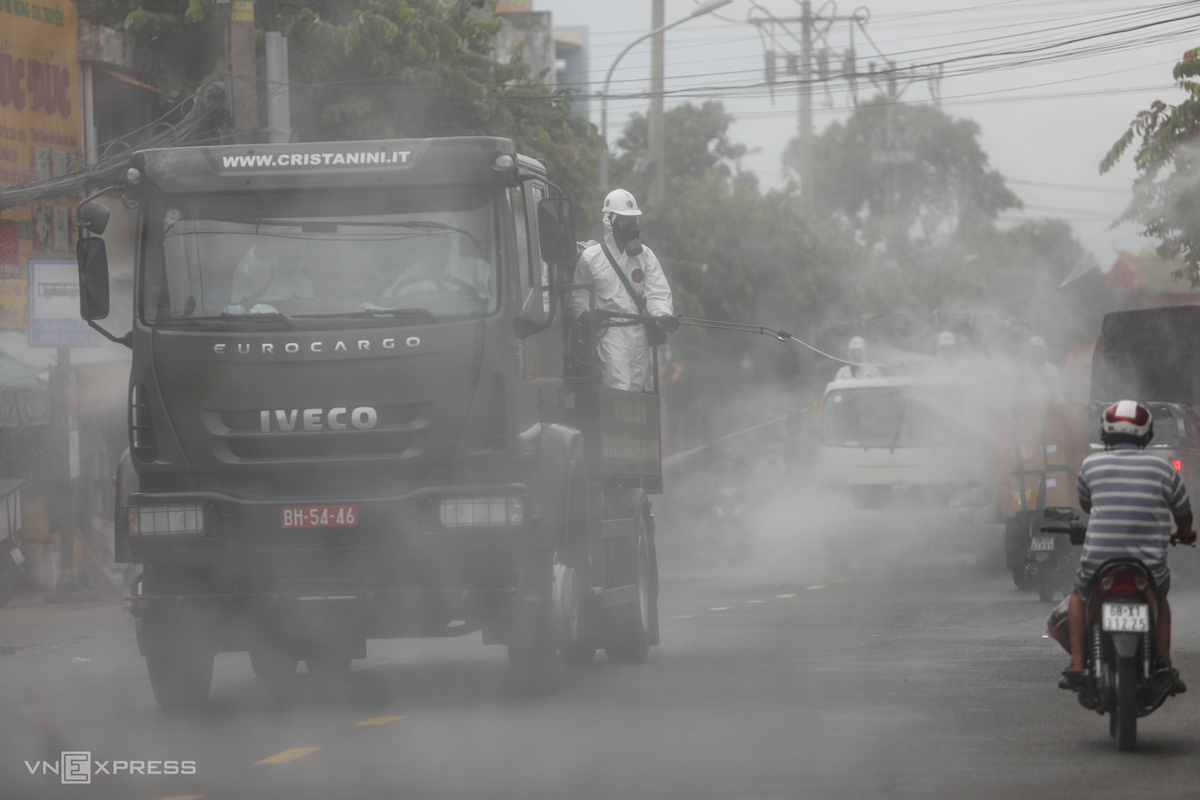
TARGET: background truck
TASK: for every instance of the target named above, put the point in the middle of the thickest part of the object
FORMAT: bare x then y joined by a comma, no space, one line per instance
349,416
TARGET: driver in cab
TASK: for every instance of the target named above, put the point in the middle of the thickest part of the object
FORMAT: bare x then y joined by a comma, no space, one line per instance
269,272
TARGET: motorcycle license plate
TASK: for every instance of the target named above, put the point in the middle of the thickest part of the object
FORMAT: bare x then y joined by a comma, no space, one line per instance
1126,617
1041,543
319,516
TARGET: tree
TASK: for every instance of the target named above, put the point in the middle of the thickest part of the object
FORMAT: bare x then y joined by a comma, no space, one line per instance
1166,193
904,175
380,69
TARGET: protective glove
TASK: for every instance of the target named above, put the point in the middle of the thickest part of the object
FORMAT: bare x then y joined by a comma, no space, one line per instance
670,324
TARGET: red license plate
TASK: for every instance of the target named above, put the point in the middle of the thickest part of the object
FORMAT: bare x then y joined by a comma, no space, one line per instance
319,516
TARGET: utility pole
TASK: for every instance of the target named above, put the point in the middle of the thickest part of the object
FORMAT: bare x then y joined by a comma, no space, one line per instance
243,72
279,107
804,89
656,120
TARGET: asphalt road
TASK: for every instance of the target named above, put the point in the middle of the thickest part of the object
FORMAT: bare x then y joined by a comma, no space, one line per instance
775,679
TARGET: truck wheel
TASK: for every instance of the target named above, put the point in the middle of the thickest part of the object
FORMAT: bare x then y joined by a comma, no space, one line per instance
629,641
271,663
9,578
536,668
181,679
329,664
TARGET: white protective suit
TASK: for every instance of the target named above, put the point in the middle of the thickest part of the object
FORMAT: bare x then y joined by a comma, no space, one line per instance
624,352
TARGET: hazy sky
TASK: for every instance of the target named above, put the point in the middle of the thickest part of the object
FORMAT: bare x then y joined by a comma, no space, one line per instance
1052,83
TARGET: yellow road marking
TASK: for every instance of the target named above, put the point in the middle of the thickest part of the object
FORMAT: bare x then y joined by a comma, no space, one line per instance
184,797
684,616
817,586
380,720
782,596
721,608
288,755
756,601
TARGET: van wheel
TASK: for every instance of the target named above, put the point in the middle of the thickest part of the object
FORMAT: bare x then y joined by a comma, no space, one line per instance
180,679
271,663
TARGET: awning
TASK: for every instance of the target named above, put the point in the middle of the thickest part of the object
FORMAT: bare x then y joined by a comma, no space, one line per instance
10,508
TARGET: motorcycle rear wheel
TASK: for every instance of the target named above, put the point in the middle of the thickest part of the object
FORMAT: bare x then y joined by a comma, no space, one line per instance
1126,704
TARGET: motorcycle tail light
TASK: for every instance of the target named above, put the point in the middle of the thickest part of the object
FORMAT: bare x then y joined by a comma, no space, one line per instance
1123,579
1106,582
1177,463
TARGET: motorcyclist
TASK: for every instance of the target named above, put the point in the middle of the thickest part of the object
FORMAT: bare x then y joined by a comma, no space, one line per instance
856,354
1131,496
623,345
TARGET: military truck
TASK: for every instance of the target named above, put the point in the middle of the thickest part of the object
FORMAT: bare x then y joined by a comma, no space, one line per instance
354,414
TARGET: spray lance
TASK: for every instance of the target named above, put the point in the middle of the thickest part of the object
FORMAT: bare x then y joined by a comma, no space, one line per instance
783,336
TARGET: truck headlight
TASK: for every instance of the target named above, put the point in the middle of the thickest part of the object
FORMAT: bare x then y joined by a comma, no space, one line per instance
481,512
177,520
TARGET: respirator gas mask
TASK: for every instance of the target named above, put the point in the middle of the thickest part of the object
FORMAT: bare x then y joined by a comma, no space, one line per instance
626,229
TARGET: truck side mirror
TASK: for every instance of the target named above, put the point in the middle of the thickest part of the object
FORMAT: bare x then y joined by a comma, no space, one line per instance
93,217
556,230
93,278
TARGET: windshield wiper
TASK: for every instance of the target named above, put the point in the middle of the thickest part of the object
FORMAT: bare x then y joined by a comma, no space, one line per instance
273,316
375,313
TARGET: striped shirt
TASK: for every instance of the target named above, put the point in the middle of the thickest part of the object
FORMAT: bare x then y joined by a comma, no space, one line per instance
1134,495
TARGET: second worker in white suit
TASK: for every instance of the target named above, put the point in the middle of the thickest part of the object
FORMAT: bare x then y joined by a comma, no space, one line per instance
624,348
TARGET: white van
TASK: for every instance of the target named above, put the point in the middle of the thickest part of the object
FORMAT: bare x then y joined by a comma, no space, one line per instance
906,442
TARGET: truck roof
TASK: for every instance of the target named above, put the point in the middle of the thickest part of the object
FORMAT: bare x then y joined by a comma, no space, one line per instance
331,165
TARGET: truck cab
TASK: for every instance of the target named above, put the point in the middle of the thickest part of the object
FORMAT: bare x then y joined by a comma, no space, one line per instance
349,417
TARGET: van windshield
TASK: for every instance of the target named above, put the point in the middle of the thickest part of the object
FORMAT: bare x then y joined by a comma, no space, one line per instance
423,256
893,416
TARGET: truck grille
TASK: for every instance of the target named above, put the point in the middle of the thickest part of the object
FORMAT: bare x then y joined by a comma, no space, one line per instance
329,445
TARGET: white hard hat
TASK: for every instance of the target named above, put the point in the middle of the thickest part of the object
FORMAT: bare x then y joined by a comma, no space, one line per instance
857,343
946,339
622,202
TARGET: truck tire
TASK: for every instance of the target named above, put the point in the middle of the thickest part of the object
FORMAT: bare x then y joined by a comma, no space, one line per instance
271,664
180,678
629,635
10,578
329,664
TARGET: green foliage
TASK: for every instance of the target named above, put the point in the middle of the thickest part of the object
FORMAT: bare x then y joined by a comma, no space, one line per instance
1166,194
368,69
179,42
945,190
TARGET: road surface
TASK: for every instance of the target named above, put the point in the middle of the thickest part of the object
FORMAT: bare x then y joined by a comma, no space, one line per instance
775,679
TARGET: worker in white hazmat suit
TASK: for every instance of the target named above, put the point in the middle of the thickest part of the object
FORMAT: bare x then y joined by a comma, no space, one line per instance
856,354
623,346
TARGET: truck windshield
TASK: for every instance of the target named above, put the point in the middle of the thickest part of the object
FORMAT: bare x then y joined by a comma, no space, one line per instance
893,416
420,255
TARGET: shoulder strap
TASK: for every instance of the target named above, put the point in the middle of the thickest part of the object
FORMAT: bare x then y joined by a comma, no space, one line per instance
638,300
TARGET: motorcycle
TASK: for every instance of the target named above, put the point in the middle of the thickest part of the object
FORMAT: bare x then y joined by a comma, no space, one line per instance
1122,676
1051,560
11,560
